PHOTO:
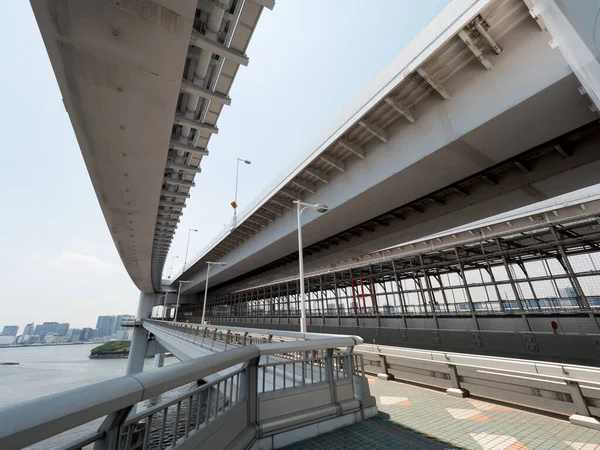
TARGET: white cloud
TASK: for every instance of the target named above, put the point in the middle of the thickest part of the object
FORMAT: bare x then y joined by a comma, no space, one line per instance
90,261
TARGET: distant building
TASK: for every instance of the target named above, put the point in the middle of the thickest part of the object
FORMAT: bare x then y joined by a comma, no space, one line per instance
50,338
10,330
29,329
87,334
105,325
7,340
118,321
124,335
58,329
33,340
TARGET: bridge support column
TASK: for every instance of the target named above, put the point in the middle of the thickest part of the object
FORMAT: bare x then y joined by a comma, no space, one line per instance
139,340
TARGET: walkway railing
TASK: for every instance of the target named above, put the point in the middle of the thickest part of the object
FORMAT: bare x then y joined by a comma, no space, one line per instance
233,407
562,388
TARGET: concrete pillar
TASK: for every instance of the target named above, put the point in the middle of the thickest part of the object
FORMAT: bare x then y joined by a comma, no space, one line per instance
159,360
139,340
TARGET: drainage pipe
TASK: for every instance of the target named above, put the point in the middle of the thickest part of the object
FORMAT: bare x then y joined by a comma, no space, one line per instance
493,44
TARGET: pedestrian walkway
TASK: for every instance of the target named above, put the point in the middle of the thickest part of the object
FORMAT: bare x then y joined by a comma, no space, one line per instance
412,417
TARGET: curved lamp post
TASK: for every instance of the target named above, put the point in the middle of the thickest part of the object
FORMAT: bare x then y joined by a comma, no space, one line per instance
237,175
210,264
320,208
187,247
171,269
178,294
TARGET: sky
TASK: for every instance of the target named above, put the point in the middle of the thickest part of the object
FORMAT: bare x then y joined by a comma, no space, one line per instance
309,60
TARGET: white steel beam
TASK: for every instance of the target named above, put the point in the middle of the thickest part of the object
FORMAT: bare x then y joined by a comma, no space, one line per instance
245,233
245,225
255,221
374,130
400,109
433,83
272,210
182,167
171,204
195,124
166,215
281,202
317,174
263,216
188,148
466,38
176,182
290,194
304,185
334,162
166,193
352,147
191,88
206,43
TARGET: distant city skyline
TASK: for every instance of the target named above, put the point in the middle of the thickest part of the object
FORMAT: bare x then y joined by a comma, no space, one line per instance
24,327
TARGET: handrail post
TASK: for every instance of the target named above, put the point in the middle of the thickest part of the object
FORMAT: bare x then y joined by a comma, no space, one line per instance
455,389
249,389
330,377
583,416
111,426
385,374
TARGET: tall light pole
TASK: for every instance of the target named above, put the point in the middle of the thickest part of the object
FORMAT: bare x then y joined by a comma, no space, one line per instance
171,269
237,175
178,294
301,207
210,264
188,246
165,304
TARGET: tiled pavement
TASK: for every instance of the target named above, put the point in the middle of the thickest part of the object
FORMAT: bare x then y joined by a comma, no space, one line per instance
408,414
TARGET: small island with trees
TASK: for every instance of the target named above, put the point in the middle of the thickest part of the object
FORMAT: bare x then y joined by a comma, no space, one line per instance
111,349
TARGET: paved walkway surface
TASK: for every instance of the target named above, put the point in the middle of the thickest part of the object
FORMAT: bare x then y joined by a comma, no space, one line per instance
411,417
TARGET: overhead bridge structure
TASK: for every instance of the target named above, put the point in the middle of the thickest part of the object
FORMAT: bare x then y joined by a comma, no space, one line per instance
493,106
144,83
477,116
527,287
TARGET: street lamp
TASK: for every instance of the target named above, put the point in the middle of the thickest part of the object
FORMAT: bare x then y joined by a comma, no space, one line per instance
188,246
320,208
237,174
210,264
165,303
171,269
178,294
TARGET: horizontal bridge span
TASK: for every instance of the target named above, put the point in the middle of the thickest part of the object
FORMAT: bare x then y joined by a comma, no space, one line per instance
407,161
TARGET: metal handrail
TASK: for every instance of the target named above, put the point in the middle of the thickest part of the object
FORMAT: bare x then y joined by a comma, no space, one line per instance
33,421
292,334
516,373
539,368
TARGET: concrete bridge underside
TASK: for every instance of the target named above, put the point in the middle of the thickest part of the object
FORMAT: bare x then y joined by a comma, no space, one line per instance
507,137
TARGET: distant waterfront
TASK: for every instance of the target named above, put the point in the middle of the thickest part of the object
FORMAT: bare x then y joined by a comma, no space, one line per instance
45,370
50,369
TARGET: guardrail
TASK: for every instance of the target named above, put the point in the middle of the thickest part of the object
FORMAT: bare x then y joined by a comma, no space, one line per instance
565,389
318,382
244,334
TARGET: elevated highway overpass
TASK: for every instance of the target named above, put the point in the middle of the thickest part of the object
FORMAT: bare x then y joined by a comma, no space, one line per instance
478,115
